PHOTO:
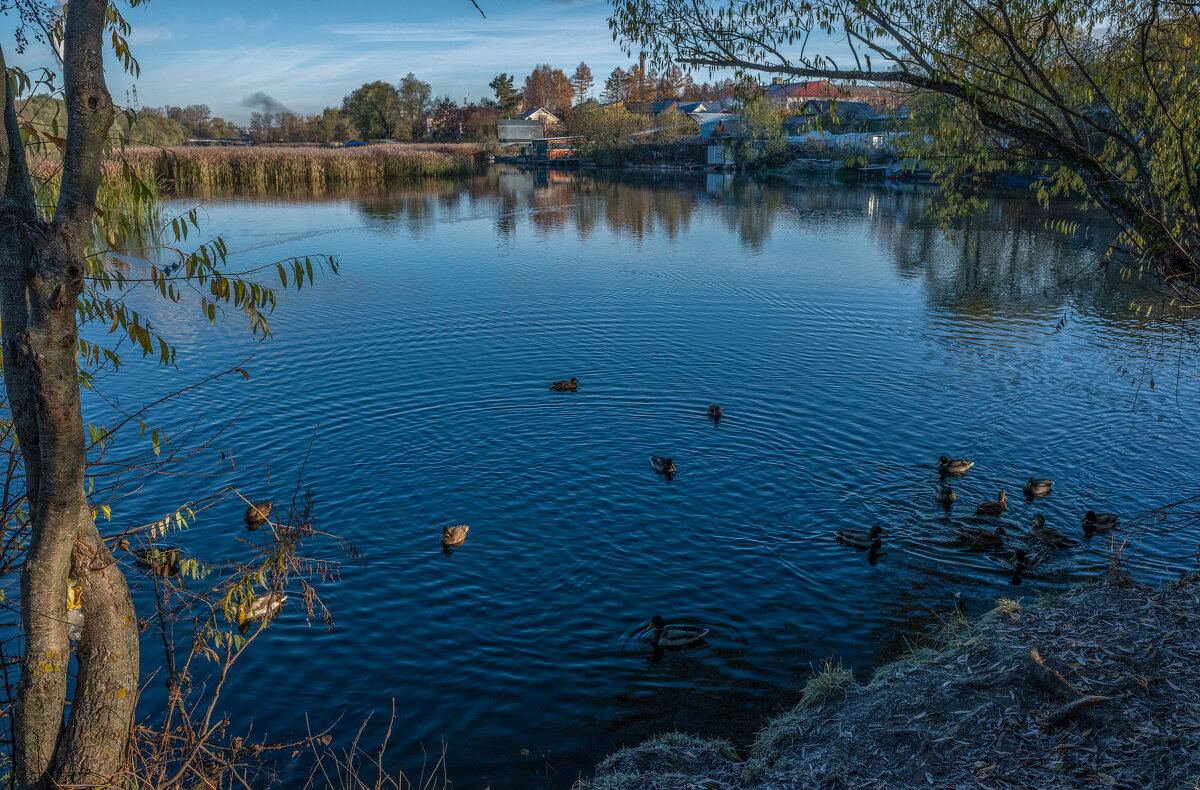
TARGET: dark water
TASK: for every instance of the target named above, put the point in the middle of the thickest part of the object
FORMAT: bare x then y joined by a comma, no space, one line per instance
849,342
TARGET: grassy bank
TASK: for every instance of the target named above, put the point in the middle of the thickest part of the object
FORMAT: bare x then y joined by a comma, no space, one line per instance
292,169
1095,688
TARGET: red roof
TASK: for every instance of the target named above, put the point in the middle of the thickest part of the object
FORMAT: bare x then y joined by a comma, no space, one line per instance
819,89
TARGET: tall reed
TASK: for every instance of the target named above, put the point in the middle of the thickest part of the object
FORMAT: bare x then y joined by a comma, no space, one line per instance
293,169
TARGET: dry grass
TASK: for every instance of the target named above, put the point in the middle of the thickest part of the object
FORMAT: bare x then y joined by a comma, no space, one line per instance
1098,690
289,169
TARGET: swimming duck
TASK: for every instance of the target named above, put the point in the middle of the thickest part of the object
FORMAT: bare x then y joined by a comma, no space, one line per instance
664,466
258,513
1026,563
675,637
993,508
953,466
565,386
1051,537
860,538
261,607
714,412
1094,522
1037,486
163,560
944,493
454,536
981,538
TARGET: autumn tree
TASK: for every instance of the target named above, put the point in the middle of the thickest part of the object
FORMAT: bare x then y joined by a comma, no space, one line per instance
415,102
1097,95
508,98
447,119
375,110
548,87
582,81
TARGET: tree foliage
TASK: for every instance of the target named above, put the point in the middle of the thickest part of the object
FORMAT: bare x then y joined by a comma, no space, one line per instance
375,110
582,81
1099,95
508,98
548,87
415,103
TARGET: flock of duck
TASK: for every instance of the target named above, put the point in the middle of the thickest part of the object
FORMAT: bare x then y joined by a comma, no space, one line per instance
675,636
980,538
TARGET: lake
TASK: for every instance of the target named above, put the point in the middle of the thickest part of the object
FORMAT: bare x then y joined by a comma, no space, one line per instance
849,341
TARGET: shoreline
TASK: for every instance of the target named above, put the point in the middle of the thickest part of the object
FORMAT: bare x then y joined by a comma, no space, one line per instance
1097,687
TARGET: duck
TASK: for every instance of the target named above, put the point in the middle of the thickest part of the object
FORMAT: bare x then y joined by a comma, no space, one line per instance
944,493
258,513
992,508
860,538
674,636
1051,537
1026,563
163,560
455,536
1094,522
664,466
1037,486
981,538
714,412
262,606
565,386
953,466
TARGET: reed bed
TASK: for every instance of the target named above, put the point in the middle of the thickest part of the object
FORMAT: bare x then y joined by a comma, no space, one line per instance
291,169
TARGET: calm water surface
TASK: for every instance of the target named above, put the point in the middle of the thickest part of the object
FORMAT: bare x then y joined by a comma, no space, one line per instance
849,342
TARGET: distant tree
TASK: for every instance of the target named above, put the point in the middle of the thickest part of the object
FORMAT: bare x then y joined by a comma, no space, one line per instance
508,98
616,86
447,119
262,125
672,82
642,80
374,109
582,81
548,87
288,127
415,103
150,127
221,129
334,124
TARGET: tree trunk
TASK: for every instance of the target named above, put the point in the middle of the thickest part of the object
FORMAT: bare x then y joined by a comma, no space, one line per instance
42,269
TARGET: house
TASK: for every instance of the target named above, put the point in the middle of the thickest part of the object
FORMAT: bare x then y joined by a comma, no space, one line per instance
540,114
840,115
687,108
709,121
518,131
791,95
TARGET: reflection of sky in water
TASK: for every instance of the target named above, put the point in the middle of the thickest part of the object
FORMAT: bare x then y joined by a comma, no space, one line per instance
849,343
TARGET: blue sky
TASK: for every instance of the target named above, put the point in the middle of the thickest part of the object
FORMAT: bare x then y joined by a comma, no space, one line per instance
308,55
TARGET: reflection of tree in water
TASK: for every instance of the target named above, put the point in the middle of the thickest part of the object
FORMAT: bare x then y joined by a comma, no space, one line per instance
1007,262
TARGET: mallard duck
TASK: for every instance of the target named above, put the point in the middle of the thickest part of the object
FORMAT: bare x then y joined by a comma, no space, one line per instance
664,466
993,508
1094,522
163,560
981,538
714,412
1037,486
565,386
261,606
258,513
944,493
953,466
1051,537
675,636
1026,563
860,538
454,536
